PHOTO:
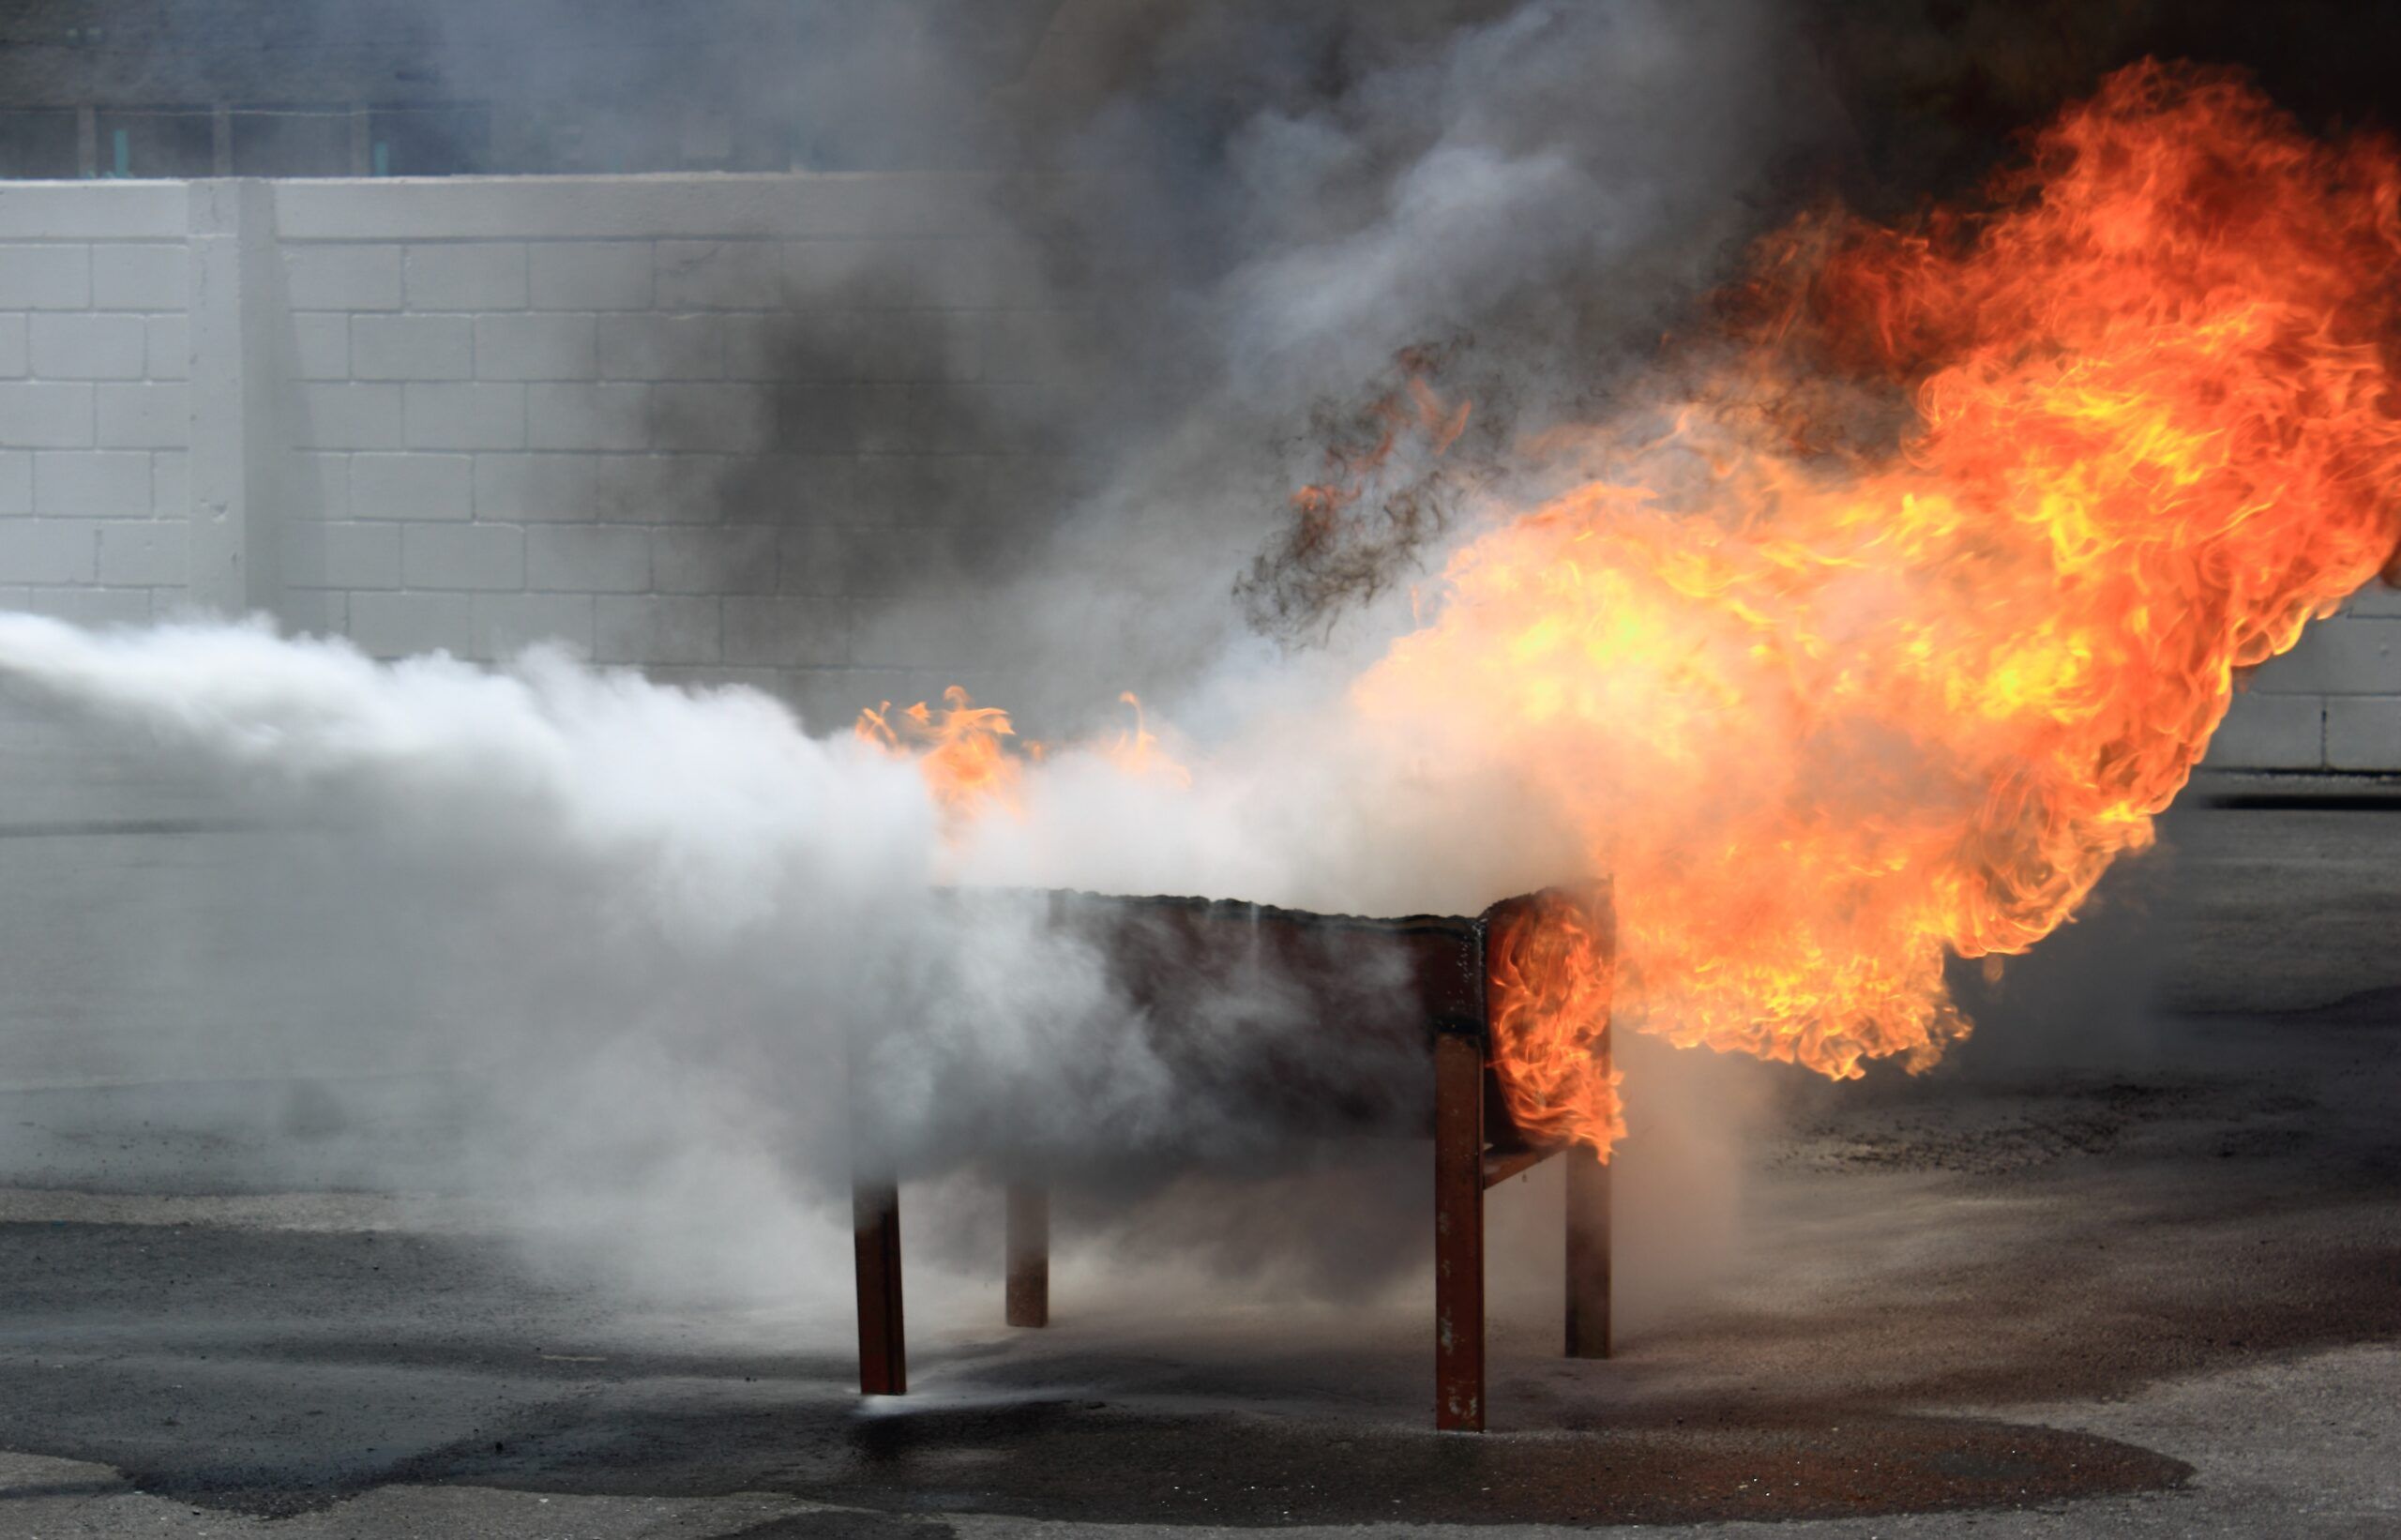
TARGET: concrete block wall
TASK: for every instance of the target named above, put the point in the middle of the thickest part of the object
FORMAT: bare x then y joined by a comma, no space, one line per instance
699,425
680,423
95,408
692,424
2333,704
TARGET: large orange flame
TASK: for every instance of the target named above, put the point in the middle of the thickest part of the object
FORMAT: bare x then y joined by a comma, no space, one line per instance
1934,590
1920,604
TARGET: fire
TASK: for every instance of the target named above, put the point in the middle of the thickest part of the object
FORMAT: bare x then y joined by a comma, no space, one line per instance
972,760
962,750
1138,753
1912,612
1934,589
1552,973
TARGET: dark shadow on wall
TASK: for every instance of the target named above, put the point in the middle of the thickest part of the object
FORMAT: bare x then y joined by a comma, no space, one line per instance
920,425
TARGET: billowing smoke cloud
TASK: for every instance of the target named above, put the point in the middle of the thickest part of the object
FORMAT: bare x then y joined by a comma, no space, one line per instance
1251,210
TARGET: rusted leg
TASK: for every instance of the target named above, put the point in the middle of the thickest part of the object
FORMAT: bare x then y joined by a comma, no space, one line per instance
1588,1234
883,1352
1029,1257
1588,1255
1459,1232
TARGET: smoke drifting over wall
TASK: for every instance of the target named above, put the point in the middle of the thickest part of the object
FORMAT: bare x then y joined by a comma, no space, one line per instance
1274,203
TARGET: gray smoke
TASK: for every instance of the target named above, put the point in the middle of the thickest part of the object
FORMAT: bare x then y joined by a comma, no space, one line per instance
1275,201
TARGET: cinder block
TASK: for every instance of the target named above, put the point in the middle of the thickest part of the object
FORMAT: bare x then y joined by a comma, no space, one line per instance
779,489
830,698
591,276
588,559
89,346
837,274
320,485
734,559
587,417
154,553
649,629
536,347
46,276
314,611
2270,733
886,561
2363,733
2346,656
787,632
915,489
412,347
525,488
812,559
924,631
763,352
167,350
711,418
146,417
171,482
589,487
320,345
905,346
319,555
16,347
348,417
662,347
46,551
341,278
537,487
987,274
466,275
400,625
826,346
91,483
466,417
120,211
2377,600
507,623
93,607
847,419
973,418
669,490
719,275
463,556
1034,346
141,277
16,481
412,487
1019,486
721,676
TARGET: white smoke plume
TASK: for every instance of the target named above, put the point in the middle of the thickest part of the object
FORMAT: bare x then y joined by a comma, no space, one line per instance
691,963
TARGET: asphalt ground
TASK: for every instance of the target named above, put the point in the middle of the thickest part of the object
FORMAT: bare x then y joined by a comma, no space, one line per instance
2130,1264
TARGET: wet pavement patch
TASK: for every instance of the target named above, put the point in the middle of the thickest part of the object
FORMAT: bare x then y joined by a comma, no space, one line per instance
1063,1462
843,1525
